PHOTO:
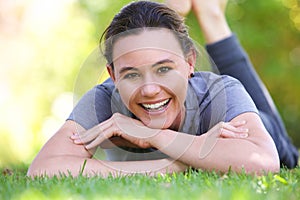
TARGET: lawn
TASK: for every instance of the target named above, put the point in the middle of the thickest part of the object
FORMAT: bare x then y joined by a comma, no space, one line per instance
192,185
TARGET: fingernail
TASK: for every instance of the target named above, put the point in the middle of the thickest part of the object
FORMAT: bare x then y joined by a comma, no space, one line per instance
244,135
72,136
77,141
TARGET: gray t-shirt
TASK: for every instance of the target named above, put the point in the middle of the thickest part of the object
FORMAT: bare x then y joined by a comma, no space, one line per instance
210,99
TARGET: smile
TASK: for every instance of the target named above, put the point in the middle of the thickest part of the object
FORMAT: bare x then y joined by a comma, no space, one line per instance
156,106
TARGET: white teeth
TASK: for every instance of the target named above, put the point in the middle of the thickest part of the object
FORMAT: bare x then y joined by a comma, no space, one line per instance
156,105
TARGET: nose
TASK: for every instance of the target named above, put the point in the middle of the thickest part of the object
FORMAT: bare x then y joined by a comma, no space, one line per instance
150,89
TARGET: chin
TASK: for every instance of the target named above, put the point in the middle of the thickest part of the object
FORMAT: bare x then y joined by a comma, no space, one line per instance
157,123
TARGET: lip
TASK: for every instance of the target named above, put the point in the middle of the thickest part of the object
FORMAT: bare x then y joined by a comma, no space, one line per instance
156,112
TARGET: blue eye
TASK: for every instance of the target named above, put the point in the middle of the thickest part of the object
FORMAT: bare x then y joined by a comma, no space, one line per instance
131,76
164,69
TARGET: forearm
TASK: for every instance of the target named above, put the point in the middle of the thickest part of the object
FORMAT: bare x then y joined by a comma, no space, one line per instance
256,153
220,155
145,167
65,164
91,167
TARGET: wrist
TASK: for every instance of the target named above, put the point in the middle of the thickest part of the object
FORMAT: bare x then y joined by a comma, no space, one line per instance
162,138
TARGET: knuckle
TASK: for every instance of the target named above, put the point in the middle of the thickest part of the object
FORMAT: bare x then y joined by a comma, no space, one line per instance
221,124
116,115
221,131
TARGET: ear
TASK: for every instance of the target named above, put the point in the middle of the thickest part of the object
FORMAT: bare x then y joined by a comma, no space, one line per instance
191,60
111,72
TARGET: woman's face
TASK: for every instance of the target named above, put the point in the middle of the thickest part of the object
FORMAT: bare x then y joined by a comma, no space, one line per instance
151,74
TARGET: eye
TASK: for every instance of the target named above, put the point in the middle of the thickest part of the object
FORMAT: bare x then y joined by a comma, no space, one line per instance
131,76
164,69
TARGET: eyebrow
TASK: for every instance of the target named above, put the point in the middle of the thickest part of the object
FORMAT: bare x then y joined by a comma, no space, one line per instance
163,62
124,69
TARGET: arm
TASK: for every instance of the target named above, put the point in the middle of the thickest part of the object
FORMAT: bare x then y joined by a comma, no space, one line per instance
218,149
61,156
255,153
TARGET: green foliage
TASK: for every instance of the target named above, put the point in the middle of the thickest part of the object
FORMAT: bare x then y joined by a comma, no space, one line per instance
191,185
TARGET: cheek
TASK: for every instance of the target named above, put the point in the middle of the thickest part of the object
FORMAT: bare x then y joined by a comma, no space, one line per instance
176,82
127,91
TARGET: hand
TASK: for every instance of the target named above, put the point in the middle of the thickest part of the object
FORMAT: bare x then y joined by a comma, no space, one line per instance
134,131
229,130
223,130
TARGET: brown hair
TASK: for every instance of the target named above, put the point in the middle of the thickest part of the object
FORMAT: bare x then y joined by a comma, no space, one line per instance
142,14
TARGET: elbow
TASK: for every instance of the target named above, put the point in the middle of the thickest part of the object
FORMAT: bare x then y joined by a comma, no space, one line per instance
272,165
35,171
41,168
261,164
32,172
266,167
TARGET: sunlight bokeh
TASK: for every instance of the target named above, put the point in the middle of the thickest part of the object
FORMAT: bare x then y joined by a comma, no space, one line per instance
294,7
43,44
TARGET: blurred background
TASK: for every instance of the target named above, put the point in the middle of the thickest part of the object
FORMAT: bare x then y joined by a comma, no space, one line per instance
44,44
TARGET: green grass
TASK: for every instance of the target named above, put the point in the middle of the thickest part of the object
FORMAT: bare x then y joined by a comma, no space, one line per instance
193,185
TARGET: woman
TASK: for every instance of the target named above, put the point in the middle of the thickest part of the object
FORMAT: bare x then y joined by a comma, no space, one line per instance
156,115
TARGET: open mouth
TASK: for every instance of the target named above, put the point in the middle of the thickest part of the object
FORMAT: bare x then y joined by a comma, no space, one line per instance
156,106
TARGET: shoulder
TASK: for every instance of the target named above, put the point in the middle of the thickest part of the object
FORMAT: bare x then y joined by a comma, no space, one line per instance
100,91
107,87
222,94
94,106
209,81
210,77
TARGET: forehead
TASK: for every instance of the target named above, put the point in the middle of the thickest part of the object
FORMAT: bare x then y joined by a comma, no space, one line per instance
155,41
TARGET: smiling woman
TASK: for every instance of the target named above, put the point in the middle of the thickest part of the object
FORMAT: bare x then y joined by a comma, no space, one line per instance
155,114
146,87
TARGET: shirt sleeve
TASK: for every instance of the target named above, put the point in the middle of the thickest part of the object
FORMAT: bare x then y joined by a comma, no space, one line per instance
94,107
224,99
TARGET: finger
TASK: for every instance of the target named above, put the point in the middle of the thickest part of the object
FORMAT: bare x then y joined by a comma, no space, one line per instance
231,134
232,128
105,135
237,123
86,136
108,130
92,133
